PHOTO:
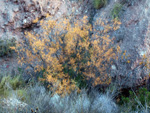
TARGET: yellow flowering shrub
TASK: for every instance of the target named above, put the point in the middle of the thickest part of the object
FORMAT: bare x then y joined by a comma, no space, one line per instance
69,54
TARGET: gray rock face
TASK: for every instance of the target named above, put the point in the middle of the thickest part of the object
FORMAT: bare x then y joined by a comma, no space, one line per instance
131,37
17,15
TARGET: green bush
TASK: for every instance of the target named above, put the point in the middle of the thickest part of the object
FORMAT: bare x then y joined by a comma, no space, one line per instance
22,94
99,3
136,100
79,79
5,45
8,83
116,11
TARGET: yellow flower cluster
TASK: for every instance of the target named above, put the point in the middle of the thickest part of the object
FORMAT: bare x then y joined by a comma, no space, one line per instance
68,45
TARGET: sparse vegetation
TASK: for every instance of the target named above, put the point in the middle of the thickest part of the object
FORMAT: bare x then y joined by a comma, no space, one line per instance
137,100
8,83
99,3
37,98
115,13
5,47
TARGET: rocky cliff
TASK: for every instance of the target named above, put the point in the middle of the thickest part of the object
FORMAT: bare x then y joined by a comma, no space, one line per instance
17,16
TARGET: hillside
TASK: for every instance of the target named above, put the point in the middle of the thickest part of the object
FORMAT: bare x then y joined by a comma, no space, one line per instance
71,45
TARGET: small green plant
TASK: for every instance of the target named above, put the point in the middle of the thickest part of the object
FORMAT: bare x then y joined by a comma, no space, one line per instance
137,100
22,94
7,83
5,47
116,11
79,79
99,3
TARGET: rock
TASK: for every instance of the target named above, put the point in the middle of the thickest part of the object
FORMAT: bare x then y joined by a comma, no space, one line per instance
131,38
113,67
13,103
19,14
